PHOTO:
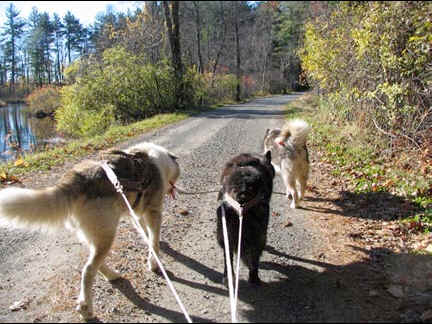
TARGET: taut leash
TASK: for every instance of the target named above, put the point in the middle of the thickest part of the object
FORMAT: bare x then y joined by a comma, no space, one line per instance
233,296
183,191
113,178
175,187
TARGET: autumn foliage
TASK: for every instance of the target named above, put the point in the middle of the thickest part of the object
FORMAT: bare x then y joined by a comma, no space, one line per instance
123,88
46,98
372,63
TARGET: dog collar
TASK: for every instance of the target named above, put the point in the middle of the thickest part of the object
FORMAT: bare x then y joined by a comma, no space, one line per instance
233,203
237,206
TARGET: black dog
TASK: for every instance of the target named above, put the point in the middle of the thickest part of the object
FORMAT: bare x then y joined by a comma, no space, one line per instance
248,179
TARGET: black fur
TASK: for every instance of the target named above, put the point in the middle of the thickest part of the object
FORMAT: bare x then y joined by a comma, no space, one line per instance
248,178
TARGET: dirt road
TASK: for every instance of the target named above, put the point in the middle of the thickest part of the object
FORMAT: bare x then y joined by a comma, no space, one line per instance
40,273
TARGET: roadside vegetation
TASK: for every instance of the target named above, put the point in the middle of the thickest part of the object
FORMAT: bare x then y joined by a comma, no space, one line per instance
42,161
376,69
371,108
11,171
391,187
123,88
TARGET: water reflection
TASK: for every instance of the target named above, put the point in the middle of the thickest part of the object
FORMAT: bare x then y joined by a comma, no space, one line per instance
21,133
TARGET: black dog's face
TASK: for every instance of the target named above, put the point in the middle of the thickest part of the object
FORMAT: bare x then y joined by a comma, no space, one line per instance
246,175
244,184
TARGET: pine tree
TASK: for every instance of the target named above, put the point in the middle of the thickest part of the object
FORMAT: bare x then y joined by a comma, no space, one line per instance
13,30
73,34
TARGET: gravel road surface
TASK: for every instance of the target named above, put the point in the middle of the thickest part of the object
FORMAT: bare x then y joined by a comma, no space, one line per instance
40,273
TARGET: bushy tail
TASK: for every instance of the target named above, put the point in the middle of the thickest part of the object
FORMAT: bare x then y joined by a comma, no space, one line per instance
34,209
295,131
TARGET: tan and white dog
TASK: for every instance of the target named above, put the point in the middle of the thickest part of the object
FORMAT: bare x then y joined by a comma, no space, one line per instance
86,202
291,161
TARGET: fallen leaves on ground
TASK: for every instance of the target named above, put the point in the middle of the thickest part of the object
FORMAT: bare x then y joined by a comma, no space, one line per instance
7,179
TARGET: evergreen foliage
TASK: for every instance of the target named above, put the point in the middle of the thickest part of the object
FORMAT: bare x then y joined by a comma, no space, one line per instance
13,29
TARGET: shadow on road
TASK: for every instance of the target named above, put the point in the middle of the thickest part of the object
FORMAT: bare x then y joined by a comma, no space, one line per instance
191,263
356,292
129,291
370,205
240,113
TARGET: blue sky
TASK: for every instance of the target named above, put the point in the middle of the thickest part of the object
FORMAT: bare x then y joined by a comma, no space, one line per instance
85,11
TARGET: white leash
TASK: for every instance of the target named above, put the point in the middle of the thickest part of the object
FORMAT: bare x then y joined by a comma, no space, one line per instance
185,192
113,178
233,297
228,261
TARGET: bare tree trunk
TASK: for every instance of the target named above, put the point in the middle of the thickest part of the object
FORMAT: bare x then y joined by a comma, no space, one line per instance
198,34
218,55
173,26
238,70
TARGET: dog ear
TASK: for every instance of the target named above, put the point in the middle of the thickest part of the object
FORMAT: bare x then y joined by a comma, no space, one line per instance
266,132
268,157
172,156
220,194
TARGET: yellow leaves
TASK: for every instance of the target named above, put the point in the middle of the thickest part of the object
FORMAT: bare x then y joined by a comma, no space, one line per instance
5,178
20,162
88,147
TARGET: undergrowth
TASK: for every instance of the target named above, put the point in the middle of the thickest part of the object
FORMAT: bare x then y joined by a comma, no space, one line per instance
364,161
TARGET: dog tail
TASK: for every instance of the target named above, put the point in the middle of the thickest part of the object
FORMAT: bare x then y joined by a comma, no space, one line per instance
33,209
295,131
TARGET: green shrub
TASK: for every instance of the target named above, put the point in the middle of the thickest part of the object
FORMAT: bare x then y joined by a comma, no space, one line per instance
118,89
122,88
75,121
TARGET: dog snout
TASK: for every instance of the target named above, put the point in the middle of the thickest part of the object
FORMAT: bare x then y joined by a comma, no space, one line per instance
242,197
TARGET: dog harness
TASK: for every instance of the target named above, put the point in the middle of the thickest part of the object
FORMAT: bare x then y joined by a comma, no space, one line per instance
241,207
135,221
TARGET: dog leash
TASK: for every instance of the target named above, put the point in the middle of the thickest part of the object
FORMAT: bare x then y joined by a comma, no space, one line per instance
233,296
185,192
113,178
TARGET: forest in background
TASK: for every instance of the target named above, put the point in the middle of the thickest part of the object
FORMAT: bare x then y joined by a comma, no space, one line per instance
163,57
36,50
369,62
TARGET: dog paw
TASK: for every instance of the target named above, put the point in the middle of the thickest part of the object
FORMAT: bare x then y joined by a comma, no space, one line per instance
109,275
154,267
112,277
85,311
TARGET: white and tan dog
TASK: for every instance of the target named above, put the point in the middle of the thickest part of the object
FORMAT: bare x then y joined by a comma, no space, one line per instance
86,202
291,161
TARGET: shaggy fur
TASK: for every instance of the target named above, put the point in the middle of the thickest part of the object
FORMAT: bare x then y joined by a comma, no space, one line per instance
288,146
85,201
248,179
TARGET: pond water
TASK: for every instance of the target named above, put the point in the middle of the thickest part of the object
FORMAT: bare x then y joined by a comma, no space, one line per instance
21,133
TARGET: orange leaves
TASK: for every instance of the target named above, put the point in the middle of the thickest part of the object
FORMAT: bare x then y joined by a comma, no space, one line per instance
8,179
